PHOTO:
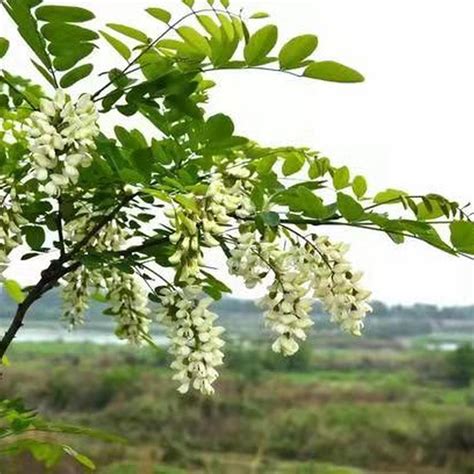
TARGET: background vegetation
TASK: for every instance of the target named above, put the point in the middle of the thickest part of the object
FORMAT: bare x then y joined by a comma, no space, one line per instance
373,409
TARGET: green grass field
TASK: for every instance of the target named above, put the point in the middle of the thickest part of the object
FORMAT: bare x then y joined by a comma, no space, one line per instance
370,410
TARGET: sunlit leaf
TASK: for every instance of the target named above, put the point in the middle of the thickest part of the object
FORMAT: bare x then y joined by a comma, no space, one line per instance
359,186
118,45
259,15
349,208
296,50
391,196
462,236
260,44
195,40
14,291
129,31
333,72
160,14
341,177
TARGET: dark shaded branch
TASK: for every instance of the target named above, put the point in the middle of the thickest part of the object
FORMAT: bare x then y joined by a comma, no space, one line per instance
49,279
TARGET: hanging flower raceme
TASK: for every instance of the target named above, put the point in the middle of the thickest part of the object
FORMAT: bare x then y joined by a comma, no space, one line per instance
316,270
199,223
61,136
287,303
129,306
195,341
76,296
336,284
77,285
10,233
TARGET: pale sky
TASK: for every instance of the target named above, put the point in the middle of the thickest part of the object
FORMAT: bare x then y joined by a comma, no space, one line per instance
409,126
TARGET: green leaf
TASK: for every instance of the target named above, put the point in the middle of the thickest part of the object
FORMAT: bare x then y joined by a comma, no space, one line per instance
429,209
64,32
210,26
219,127
72,56
341,178
359,186
120,47
271,219
4,45
44,72
301,199
129,31
333,72
64,14
19,10
260,44
293,163
14,291
35,236
259,15
188,202
188,3
75,75
159,14
462,236
195,40
296,50
80,458
350,209
389,196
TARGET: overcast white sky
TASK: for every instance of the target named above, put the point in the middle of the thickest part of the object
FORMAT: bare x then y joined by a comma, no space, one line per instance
409,126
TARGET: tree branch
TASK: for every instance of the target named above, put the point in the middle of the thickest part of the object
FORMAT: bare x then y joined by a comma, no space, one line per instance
49,279
51,276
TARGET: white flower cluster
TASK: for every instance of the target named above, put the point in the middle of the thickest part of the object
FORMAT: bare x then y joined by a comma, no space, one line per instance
61,135
337,286
195,341
129,306
316,270
10,233
247,262
109,239
204,225
127,296
287,306
76,296
188,255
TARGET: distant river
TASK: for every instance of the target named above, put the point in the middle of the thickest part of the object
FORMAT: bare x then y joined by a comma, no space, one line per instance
97,333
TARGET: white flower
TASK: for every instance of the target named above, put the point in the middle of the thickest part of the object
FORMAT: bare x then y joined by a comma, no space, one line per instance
195,341
60,138
130,306
76,296
10,221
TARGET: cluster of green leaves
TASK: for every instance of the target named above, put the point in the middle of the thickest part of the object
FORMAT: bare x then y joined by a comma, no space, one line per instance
21,430
165,80
56,38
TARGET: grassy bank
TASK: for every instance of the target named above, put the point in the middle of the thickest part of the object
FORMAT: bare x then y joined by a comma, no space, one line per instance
380,411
